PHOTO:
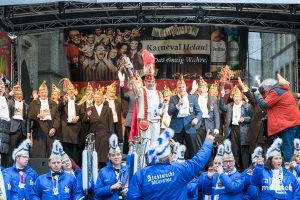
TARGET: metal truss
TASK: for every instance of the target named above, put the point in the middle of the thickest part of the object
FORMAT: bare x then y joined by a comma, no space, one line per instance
26,19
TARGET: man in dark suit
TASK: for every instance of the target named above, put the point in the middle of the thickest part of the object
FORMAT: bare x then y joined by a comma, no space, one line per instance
185,115
238,118
86,102
209,108
46,121
71,116
115,106
19,123
101,123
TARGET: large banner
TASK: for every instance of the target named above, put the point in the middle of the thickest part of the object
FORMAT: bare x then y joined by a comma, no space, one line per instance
5,55
94,54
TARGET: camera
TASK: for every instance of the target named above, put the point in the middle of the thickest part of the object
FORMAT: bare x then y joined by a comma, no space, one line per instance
254,89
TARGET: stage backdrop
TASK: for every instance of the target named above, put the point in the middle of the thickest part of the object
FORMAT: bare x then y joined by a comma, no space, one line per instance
93,54
5,56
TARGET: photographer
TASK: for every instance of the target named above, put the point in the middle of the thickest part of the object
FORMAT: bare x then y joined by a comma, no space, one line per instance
258,125
283,114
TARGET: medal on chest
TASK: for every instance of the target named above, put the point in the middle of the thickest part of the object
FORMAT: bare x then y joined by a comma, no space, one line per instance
22,180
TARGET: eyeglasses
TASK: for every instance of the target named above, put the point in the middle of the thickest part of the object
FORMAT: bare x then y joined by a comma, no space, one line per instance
228,161
115,155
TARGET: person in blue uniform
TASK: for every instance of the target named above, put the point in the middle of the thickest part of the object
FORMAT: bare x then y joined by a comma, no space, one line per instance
162,179
203,182
295,163
56,184
5,184
69,166
250,190
112,178
227,183
273,179
22,176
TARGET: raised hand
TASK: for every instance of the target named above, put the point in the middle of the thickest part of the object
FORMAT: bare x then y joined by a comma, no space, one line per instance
121,76
194,87
222,92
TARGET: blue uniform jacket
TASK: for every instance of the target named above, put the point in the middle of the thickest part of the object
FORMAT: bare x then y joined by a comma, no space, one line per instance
168,180
78,176
7,182
18,193
250,190
184,123
297,173
67,188
201,184
107,178
192,190
204,185
231,187
262,178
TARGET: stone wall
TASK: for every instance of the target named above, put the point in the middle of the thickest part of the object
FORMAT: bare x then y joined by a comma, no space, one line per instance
43,57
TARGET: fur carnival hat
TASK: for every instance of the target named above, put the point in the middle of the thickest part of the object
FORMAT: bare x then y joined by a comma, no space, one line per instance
161,147
114,144
296,146
256,153
274,149
149,65
227,150
22,149
56,150
220,153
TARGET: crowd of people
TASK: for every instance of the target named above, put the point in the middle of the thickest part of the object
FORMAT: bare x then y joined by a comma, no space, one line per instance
197,144
94,56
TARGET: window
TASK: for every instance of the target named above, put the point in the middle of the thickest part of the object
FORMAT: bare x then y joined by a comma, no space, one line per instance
287,72
281,71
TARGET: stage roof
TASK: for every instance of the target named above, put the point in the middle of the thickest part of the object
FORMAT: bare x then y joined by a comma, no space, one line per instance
28,16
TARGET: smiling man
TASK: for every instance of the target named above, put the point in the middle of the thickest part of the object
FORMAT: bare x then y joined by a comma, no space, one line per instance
56,184
21,175
112,178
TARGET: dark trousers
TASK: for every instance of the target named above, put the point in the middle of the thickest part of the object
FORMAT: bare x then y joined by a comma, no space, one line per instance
240,152
190,142
42,143
71,151
125,143
288,135
201,135
14,141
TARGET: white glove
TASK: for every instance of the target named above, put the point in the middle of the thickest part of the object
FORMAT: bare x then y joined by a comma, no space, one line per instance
121,76
194,87
216,131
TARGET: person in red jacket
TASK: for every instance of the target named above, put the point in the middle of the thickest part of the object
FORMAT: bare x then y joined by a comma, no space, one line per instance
283,114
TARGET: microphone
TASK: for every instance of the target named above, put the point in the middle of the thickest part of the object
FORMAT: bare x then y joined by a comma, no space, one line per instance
160,105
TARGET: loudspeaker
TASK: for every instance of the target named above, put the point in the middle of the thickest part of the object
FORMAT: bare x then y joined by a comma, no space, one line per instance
40,165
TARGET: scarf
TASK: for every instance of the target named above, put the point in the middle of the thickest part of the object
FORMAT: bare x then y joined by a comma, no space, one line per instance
99,108
4,113
71,109
112,105
236,113
45,109
202,101
18,114
184,108
276,185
